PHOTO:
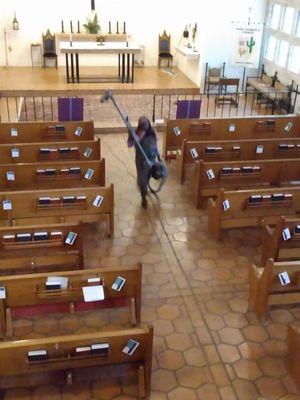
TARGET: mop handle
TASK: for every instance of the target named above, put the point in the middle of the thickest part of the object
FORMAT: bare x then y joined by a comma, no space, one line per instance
131,130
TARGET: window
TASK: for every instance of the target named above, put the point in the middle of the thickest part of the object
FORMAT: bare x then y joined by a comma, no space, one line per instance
297,30
275,16
294,64
288,19
282,53
270,48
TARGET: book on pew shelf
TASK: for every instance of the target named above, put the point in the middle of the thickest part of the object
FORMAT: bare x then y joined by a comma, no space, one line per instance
53,150
64,150
130,347
286,234
277,197
256,168
15,153
100,348
7,205
81,199
44,150
98,200
236,148
93,293
44,200
53,285
2,293
194,152
83,350
56,235
75,170
255,199
291,146
283,146
40,172
96,279
284,278
259,149
266,197
87,152
270,122
210,174
50,171
78,131
226,205
118,283
226,170
288,126
73,148
218,148
236,170
68,199
288,196
61,280
60,128
246,169
210,149
297,229
37,355
13,132
89,173
8,238
71,238
40,235
231,127
10,175
176,131
298,146
23,237
64,171
55,200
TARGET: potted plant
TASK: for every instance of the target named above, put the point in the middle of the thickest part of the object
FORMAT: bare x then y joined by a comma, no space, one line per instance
92,25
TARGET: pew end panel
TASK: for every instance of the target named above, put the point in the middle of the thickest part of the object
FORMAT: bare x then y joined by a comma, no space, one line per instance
293,339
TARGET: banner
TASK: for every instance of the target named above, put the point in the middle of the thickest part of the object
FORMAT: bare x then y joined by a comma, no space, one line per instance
246,44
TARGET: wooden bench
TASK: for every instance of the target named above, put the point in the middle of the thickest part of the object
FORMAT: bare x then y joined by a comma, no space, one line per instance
23,291
40,248
281,245
58,205
266,289
61,359
235,128
293,338
32,132
252,207
52,175
50,152
252,149
209,177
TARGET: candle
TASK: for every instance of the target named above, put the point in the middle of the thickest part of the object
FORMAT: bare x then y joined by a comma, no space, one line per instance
78,27
124,29
93,5
62,26
109,27
117,26
71,40
71,26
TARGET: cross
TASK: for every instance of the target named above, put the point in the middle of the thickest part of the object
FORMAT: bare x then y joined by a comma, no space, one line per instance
250,9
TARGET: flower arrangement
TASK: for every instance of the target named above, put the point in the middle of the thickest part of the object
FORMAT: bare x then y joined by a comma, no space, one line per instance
92,25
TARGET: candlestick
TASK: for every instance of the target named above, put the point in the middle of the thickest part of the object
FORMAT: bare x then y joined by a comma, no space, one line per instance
124,28
117,26
71,26
62,26
109,27
78,27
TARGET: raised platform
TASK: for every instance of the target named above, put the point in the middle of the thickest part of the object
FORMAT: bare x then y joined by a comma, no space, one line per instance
51,81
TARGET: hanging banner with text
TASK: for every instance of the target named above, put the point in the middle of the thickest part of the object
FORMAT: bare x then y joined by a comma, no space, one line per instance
246,44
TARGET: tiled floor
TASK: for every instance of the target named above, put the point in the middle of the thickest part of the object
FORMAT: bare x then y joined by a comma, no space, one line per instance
207,345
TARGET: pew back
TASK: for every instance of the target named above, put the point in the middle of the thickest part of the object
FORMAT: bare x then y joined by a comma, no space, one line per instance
32,132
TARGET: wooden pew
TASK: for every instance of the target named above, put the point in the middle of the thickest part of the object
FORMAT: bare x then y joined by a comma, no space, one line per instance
24,248
246,210
63,357
50,152
233,150
277,245
209,177
32,132
293,338
58,205
23,291
52,175
237,128
266,289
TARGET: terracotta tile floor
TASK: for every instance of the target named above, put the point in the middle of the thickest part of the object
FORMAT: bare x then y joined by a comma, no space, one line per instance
207,345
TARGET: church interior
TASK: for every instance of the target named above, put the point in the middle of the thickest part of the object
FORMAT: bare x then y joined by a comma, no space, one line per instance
150,200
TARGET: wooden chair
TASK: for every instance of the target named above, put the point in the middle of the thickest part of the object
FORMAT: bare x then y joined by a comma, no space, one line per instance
228,92
293,338
164,49
276,245
23,248
245,210
27,293
61,359
265,288
49,48
42,152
